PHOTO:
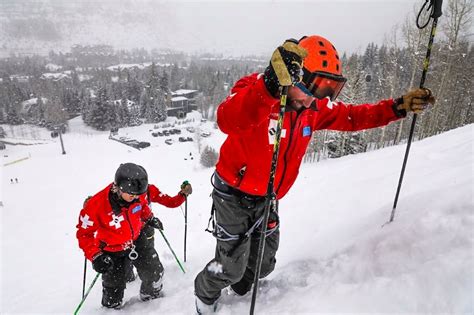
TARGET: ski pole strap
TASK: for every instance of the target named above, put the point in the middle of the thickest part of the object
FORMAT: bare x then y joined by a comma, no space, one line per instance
435,11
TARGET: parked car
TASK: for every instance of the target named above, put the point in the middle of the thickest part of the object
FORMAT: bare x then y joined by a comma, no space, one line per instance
191,129
169,141
182,139
177,131
166,132
154,134
143,144
205,134
189,139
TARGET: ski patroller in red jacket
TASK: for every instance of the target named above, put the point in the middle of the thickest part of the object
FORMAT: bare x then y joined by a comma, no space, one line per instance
100,229
249,117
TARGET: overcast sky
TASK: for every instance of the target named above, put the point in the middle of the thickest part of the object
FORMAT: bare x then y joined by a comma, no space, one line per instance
258,26
229,27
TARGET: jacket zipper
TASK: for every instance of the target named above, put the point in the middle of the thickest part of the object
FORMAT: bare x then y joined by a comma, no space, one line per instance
130,224
292,128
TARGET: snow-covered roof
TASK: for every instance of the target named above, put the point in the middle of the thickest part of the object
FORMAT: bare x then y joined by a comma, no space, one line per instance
26,105
129,66
182,92
84,77
52,67
20,78
178,98
136,65
55,76
129,103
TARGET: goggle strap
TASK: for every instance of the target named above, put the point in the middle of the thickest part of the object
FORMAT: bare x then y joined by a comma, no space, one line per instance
303,88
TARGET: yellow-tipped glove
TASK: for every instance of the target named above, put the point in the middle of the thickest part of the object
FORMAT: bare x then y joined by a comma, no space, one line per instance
285,67
415,101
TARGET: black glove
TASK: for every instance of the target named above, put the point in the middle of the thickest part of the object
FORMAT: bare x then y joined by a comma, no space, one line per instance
285,67
155,223
102,263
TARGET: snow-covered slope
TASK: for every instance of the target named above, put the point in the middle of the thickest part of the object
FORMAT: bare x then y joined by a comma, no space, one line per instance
334,257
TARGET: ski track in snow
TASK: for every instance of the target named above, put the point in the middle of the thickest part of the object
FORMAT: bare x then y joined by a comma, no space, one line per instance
334,256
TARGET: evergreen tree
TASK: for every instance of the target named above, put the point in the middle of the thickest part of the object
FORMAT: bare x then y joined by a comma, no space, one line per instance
104,114
124,113
209,157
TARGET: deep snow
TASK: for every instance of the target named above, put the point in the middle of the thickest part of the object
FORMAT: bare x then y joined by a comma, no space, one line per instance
334,255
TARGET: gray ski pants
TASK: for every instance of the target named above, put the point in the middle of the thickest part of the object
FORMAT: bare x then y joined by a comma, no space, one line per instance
235,259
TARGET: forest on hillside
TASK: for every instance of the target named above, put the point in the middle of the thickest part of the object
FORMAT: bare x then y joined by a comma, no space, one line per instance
117,88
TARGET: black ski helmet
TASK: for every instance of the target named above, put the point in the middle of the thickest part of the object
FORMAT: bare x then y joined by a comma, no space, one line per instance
131,178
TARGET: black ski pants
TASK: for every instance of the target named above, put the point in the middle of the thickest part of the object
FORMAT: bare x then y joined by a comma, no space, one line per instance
235,259
148,266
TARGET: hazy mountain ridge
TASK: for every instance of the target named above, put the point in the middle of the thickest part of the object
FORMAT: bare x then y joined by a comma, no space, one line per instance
38,27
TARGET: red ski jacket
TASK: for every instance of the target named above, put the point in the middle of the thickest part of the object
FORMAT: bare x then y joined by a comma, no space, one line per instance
249,117
155,195
100,229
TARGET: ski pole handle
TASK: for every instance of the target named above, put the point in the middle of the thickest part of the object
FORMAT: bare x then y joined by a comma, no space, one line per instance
437,4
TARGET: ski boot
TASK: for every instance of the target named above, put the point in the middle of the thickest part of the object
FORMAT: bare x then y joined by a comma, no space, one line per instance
151,290
242,287
112,297
205,309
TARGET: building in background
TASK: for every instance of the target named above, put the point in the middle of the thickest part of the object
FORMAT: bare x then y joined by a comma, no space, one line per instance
182,102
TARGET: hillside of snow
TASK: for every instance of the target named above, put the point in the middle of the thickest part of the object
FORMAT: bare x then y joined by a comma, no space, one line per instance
334,256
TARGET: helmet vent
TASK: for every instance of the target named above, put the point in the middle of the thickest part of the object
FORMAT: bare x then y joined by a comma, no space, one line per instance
325,63
321,43
337,67
337,56
323,53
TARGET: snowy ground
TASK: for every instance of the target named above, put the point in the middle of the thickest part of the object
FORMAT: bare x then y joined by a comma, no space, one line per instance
334,255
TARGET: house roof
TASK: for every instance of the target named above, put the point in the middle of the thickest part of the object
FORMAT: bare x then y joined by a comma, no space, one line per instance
182,92
178,98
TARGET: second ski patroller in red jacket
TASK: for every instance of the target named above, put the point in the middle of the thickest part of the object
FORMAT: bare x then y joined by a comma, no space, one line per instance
117,229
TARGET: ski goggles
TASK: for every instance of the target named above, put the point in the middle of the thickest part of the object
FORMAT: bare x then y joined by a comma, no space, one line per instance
322,84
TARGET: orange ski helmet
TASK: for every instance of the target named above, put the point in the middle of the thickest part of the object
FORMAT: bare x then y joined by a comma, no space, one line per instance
322,70
322,55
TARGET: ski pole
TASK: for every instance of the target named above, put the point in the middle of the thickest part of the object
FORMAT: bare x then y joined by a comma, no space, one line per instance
435,6
172,251
87,293
270,198
84,278
185,224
